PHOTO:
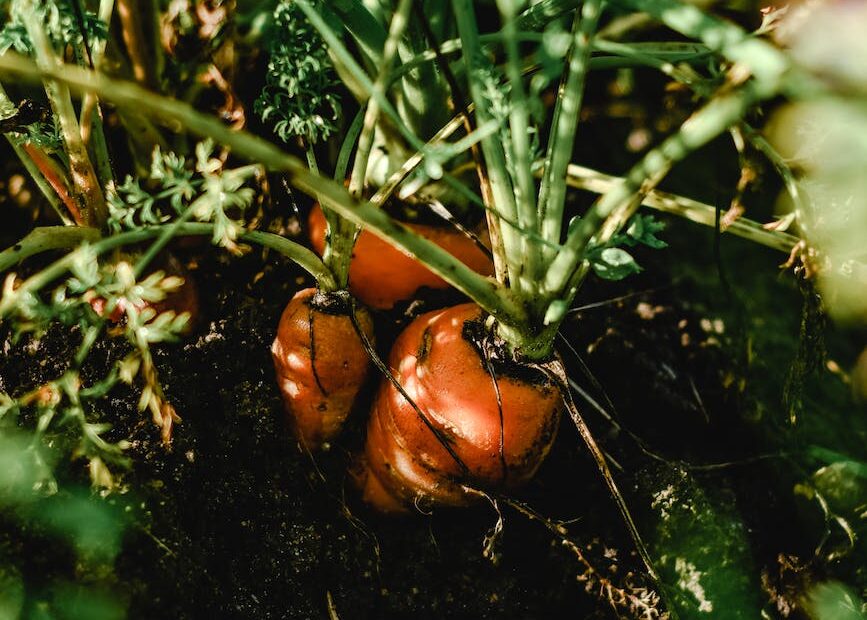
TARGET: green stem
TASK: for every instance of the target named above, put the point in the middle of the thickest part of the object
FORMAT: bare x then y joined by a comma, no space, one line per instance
425,96
519,132
626,54
765,62
552,195
86,187
608,214
90,118
349,139
131,14
43,239
586,179
502,192
332,254
802,210
358,75
33,170
162,241
365,29
412,163
365,141
342,233
542,13
59,237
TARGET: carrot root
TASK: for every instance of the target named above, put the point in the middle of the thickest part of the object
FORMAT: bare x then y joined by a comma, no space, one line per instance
321,364
381,275
465,426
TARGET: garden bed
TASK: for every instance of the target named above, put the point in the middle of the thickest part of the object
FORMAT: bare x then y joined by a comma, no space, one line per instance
233,520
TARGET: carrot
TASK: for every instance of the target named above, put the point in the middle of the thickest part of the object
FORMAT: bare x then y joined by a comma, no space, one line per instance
321,363
381,275
472,418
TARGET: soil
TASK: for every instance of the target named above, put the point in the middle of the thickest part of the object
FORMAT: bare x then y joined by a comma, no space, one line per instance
233,521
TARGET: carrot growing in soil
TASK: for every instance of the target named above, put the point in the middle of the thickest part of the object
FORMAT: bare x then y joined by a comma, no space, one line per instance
541,261
466,414
321,362
472,395
380,275
319,356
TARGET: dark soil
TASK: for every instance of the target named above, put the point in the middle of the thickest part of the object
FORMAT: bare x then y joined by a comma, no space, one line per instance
235,522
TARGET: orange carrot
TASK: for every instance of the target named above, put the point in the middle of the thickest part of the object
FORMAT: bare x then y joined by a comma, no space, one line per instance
468,421
321,363
381,275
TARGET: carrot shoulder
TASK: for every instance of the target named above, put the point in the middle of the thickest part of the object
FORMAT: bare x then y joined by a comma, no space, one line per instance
321,364
381,275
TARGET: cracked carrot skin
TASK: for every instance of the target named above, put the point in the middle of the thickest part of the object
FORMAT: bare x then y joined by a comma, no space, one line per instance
405,464
380,275
321,363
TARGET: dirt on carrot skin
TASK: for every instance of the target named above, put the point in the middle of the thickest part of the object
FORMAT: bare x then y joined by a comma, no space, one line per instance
235,522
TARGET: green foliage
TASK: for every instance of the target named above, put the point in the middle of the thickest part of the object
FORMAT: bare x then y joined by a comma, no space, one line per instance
703,548
11,592
210,193
300,95
14,36
66,410
60,22
834,601
612,262
68,517
43,135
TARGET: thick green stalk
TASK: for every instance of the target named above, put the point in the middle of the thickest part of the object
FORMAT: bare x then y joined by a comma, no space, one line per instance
423,98
350,137
331,255
131,15
495,158
337,256
60,237
612,210
90,117
365,29
519,147
542,13
86,187
484,291
380,86
43,239
342,234
552,195
657,55
412,163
